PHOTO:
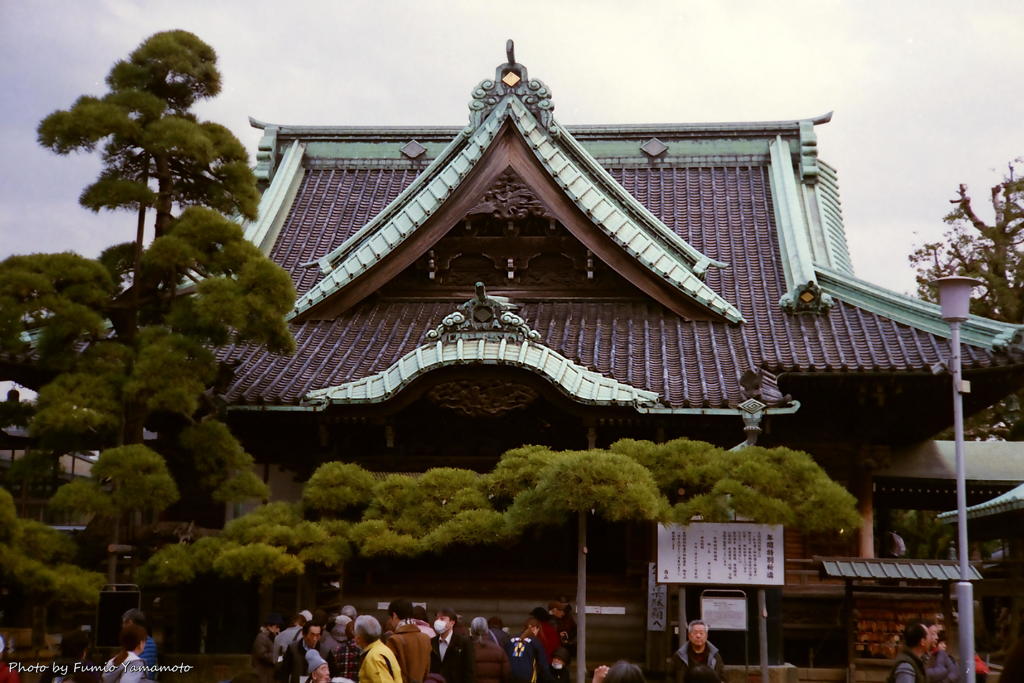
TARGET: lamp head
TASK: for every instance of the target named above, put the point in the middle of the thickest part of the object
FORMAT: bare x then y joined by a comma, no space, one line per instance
955,296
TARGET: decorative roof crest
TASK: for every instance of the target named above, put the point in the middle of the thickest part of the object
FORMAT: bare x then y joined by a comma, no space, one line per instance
483,317
806,299
511,78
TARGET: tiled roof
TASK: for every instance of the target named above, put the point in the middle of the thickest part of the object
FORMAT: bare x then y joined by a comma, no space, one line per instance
902,570
1010,501
725,212
611,211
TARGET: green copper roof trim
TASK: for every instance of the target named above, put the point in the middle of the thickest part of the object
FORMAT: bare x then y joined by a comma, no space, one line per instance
1010,501
573,380
582,132
976,331
403,216
591,188
803,294
620,215
830,210
277,200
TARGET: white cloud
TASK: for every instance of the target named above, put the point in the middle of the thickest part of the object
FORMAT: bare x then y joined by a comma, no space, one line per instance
924,93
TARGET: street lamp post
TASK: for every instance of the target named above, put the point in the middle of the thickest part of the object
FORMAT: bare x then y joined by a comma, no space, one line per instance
955,297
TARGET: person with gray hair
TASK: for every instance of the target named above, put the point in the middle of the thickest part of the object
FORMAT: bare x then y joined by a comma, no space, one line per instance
697,650
491,661
137,618
379,663
350,612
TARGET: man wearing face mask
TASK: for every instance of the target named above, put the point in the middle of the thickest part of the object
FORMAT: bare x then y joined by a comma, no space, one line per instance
452,654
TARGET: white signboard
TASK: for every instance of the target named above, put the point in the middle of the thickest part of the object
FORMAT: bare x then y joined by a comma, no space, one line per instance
724,613
657,600
606,609
735,553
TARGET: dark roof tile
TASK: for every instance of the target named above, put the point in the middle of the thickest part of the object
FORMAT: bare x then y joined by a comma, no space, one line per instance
725,212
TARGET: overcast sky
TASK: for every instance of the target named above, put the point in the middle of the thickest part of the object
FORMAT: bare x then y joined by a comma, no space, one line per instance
926,94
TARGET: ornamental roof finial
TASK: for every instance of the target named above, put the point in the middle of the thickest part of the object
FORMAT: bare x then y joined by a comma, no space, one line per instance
511,78
483,317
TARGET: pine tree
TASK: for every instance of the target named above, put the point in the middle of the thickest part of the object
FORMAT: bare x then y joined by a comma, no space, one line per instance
128,341
993,253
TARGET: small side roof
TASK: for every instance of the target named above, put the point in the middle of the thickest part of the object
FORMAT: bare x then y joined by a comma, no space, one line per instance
1010,501
892,569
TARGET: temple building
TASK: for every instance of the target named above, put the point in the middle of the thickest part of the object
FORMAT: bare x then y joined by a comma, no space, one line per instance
465,290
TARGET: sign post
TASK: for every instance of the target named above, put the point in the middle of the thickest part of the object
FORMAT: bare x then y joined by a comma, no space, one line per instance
734,553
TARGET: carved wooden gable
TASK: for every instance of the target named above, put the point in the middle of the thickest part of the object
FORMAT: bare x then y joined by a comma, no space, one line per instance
511,242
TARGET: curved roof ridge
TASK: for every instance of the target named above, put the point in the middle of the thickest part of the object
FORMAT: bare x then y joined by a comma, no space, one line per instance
575,381
609,207
923,315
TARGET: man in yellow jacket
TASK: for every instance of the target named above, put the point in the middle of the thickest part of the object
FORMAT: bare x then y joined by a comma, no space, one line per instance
379,663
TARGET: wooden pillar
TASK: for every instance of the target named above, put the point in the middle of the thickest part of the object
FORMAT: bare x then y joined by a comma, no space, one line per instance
851,633
865,489
591,437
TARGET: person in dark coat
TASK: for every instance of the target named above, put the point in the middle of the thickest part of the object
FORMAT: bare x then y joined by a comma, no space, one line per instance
909,666
293,665
262,656
527,661
548,633
565,624
697,650
560,665
491,660
940,667
451,654
74,649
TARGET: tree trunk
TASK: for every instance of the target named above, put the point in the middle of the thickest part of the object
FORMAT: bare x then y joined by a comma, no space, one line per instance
581,600
163,198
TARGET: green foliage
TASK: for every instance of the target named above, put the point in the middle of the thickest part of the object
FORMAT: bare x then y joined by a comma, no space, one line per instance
257,561
924,536
771,486
336,487
59,298
35,557
221,463
405,516
992,252
84,495
241,296
129,340
35,468
608,484
518,470
148,132
179,563
136,478
139,477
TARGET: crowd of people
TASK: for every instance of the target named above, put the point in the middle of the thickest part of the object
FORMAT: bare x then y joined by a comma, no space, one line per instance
405,648
925,659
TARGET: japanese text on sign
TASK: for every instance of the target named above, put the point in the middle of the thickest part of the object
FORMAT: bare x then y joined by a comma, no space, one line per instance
657,601
734,553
